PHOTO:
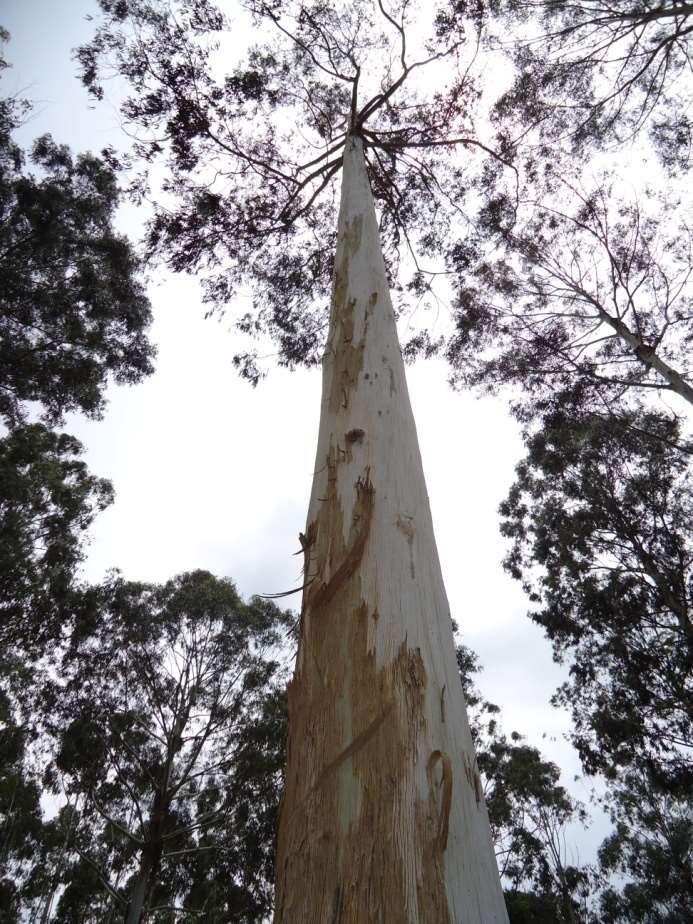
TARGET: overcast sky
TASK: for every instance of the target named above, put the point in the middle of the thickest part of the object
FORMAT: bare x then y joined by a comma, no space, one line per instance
210,473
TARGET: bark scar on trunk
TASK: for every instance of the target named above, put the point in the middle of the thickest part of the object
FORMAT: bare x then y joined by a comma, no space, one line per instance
473,778
405,524
360,741
444,820
321,593
355,436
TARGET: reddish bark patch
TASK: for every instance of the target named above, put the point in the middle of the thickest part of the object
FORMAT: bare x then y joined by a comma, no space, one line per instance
353,743
347,355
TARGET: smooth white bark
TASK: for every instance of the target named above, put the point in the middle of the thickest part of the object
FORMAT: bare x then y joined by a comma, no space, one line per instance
383,818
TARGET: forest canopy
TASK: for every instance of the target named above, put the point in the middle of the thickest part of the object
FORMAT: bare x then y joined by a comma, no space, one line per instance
530,166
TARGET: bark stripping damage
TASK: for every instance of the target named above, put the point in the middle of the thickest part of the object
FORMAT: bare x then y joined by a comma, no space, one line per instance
446,804
378,823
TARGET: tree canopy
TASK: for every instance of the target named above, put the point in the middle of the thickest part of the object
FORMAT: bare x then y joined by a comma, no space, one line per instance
74,315
252,152
592,74
588,299
47,502
162,721
599,520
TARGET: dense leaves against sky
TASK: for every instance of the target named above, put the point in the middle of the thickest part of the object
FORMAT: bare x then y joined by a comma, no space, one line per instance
164,719
48,500
21,822
588,298
73,315
252,140
73,311
592,73
650,848
599,518
576,274
600,523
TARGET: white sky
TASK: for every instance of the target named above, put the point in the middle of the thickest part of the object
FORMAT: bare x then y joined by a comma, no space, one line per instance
210,473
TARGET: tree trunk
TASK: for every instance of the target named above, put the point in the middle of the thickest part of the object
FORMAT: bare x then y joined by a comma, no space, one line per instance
136,906
383,818
647,355
55,879
150,863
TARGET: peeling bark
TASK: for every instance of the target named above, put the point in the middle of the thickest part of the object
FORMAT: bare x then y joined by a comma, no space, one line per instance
382,819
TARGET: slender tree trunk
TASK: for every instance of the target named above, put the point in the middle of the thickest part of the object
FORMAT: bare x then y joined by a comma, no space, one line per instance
383,818
55,879
147,875
140,892
647,355
152,852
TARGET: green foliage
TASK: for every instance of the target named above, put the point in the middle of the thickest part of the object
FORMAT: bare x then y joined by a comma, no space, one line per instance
529,908
585,298
20,811
169,722
529,811
571,285
600,520
627,66
73,311
73,314
651,848
48,500
251,203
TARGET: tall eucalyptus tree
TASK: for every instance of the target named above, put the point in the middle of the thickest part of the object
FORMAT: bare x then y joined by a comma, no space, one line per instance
383,815
383,810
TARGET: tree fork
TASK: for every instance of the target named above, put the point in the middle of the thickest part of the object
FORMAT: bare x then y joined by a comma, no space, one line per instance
382,818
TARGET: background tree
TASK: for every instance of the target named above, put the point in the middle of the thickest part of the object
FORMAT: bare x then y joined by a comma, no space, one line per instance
47,502
592,73
529,811
650,848
21,820
568,285
73,314
237,856
582,299
169,696
73,308
600,521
